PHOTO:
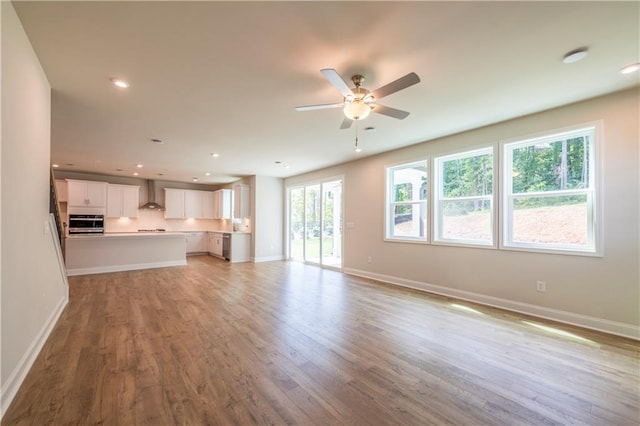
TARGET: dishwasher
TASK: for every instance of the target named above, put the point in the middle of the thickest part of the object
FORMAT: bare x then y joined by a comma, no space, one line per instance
226,246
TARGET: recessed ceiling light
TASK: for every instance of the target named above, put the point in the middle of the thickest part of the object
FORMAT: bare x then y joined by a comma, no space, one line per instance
357,149
195,179
630,68
575,55
207,174
369,129
55,165
135,173
286,166
120,83
139,166
215,155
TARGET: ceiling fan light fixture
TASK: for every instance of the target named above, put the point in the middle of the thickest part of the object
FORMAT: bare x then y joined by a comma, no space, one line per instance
120,83
357,110
575,55
630,68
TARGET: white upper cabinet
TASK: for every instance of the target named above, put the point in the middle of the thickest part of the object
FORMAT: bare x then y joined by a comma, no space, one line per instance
241,201
186,203
86,193
207,204
193,204
222,204
122,200
174,203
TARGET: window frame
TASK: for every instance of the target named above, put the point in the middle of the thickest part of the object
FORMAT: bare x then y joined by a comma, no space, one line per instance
438,199
592,193
390,203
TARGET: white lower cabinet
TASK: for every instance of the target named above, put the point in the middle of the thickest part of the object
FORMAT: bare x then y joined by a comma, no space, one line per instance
215,243
197,242
240,247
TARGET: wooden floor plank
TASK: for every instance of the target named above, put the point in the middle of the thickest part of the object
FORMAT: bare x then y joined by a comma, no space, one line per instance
213,343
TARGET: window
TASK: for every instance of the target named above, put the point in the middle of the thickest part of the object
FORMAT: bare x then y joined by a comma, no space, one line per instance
549,192
407,202
464,198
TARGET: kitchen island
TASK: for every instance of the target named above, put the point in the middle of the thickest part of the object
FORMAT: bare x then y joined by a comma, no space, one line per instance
112,252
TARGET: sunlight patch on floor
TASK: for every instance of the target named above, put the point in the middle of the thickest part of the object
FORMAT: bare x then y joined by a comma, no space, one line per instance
466,308
558,332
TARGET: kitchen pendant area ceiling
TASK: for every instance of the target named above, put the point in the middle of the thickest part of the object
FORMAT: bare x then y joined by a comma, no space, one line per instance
225,77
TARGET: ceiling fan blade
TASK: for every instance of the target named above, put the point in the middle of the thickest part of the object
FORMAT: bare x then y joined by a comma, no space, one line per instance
346,123
321,106
391,112
335,79
397,85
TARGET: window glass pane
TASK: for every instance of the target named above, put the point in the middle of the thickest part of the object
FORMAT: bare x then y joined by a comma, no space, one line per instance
312,237
332,223
296,227
410,182
557,220
551,166
402,192
468,177
409,220
468,220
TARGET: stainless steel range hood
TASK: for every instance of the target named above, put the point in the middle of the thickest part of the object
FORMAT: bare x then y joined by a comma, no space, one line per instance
151,193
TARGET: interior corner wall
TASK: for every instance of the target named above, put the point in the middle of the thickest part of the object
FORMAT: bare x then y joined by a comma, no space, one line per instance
597,292
32,284
268,219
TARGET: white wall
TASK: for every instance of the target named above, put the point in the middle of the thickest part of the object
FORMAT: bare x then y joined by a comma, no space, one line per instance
601,293
32,297
267,212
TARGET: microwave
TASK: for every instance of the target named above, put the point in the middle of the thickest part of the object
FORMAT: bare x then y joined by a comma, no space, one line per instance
86,224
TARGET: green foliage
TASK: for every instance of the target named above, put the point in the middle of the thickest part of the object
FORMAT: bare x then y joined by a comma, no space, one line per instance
533,202
554,166
402,192
468,177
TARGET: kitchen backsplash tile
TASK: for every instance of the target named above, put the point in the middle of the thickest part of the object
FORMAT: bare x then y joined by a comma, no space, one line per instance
149,219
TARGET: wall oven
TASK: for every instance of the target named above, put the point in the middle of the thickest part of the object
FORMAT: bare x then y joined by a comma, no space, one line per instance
88,224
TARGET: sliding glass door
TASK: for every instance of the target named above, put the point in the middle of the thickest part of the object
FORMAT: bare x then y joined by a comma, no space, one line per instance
312,212
315,223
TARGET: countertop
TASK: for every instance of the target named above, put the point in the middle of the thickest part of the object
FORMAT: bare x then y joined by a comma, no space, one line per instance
148,234
126,234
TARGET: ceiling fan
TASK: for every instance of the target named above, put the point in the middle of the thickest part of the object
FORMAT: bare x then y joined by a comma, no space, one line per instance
358,102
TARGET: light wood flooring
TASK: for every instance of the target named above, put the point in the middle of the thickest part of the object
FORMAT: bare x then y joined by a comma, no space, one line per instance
285,343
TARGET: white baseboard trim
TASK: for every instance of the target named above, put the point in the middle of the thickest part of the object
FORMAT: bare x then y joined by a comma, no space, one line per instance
15,379
267,259
120,268
593,323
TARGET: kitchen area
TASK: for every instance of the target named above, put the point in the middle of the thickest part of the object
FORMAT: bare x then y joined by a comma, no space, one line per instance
109,229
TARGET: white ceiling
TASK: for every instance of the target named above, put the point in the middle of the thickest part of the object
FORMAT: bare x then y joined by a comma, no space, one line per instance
225,77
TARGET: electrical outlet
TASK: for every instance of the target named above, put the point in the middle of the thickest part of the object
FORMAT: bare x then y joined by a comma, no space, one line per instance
541,286
369,259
